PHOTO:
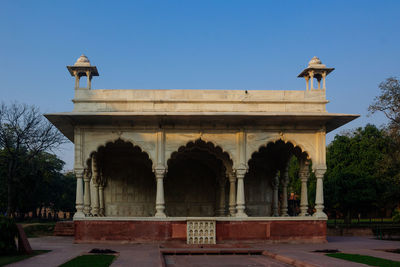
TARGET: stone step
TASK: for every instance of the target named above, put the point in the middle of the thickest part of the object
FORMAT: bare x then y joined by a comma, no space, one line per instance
64,229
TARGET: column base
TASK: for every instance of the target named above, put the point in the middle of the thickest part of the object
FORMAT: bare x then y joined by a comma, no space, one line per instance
79,215
241,215
160,215
320,215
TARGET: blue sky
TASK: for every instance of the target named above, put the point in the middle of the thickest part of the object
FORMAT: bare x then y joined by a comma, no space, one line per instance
198,45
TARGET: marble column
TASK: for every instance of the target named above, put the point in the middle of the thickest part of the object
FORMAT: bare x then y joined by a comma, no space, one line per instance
319,196
95,178
79,194
240,198
160,201
101,201
303,175
275,211
285,182
95,204
232,194
221,198
87,175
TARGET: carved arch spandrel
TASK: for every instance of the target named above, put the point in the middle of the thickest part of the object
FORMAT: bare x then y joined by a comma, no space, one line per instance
225,141
94,140
307,142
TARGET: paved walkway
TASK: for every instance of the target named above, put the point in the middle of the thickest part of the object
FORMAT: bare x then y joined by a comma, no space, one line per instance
63,249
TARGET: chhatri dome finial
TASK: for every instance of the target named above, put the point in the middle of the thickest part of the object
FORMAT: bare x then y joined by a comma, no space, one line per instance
82,67
82,61
316,63
315,70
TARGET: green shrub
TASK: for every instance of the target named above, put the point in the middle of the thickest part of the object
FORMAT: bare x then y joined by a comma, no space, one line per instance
8,233
36,230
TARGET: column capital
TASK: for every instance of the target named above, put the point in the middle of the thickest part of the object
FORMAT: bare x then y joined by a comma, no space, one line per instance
159,171
320,171
79,172
87,174
241,172
232,177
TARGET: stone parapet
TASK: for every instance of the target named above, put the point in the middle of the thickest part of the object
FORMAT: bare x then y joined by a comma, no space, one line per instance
174,100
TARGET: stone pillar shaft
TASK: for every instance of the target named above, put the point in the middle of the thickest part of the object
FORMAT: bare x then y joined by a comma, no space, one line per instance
319,197
312,80
304,173
95,177
79,194
275,210
307,83
86,179
232,194
285,181
323,80
240,198
160,201
76,80
101,201
95,205
221,204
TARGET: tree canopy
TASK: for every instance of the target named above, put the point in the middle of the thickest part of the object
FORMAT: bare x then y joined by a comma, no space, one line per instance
26,167
355,181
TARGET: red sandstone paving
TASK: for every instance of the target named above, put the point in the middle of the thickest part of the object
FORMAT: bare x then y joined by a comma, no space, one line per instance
221,261
63,249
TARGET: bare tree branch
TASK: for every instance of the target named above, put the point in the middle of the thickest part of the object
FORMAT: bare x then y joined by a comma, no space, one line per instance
24,131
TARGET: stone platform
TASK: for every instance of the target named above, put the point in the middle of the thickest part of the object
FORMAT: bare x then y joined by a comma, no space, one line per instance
150,230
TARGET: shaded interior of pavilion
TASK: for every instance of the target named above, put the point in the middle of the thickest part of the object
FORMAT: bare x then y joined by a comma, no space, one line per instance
200,182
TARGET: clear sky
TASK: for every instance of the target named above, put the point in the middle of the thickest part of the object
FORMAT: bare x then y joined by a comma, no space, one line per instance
198,45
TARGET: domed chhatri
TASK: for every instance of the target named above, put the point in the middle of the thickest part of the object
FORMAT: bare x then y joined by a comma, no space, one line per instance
82,61
82,67
315,62
315,70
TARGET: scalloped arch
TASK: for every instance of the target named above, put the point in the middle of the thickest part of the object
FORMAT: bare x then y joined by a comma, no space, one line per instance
103,143
214,145
286,141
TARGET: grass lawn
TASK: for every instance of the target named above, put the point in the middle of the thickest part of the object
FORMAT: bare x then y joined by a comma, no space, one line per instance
4,260
372,261
90,260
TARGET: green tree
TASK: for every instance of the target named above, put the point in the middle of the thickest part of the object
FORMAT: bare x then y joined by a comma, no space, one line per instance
353,182
24,134
388,102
